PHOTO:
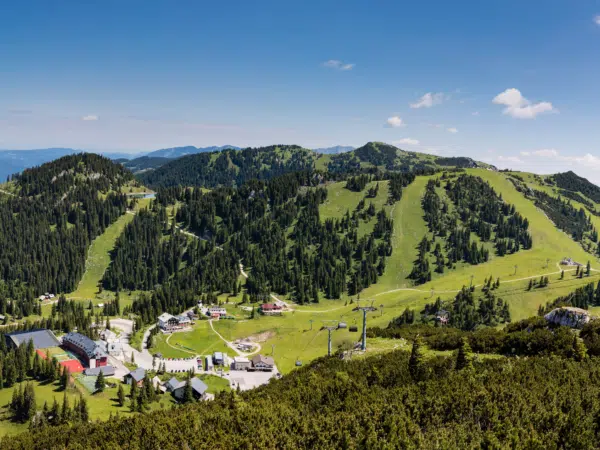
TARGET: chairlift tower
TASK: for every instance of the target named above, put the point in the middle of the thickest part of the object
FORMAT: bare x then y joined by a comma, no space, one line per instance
365,309
330,325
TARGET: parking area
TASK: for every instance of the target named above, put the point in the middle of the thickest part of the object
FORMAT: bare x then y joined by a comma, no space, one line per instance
249,380
180,365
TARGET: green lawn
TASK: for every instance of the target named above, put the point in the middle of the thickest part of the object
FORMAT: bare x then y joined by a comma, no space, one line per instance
339,200
200,340
215,384
98,259
101,405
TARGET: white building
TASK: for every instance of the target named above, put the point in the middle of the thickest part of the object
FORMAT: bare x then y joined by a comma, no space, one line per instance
184,320
241,363
167,322
115,349
216,311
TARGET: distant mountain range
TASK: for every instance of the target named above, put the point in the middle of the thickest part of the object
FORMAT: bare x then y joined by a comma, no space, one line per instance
178,152
15,161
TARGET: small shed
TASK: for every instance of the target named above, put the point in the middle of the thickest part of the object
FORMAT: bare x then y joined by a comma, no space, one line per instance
135,376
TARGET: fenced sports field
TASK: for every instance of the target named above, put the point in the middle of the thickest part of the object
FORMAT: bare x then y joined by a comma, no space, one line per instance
56,352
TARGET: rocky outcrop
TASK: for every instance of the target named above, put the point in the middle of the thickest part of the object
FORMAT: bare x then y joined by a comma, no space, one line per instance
569,317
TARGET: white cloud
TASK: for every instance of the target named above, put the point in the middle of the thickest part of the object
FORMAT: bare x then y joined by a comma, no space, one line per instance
587,161
519,107
337,64
511,159
597,20
90,117
428,100
546,153
395,122
549,160
452,130
475,113
406,141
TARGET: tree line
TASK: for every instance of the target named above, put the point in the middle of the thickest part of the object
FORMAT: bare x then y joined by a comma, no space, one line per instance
411,400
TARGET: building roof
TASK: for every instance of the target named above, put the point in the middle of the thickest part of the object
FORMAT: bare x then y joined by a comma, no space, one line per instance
197,385
219,355
40,338
106,370
137,374
269,306
165,317
115,346
183,318
174,383
89,347
240,359
263,359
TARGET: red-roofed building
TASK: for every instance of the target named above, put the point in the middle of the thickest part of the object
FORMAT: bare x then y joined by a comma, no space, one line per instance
73,365
269,309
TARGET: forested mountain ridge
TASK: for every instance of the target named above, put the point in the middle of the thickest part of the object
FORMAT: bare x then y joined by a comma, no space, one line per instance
235,167
570,181
144,163
53,214
230,167
273,226
86,170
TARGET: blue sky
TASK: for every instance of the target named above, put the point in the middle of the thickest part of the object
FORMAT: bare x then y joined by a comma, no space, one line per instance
514,83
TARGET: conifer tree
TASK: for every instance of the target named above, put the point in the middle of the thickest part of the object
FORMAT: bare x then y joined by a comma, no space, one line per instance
65,411
188,395
55,412
463,357
121,395
579,349
100,382
64,378
415,363
84,413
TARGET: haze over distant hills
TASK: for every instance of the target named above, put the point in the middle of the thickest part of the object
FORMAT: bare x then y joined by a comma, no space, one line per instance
15,161
177,152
